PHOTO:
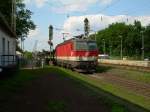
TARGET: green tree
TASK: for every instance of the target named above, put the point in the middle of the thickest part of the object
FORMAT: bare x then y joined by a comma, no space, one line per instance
23,20
147,41
5,9
23,17
28,54
131,37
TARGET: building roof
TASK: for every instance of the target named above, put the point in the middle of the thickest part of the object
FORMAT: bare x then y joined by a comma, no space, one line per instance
5,27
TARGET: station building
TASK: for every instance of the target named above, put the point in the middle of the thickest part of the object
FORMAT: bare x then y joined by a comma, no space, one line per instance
8,58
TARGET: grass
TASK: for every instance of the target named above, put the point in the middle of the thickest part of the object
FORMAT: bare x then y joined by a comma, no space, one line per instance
132,74
13,84
107,92
101,69
100,85
116,108
57,106
140,76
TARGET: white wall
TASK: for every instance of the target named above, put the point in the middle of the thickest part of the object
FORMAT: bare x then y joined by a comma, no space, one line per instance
12,45
126,62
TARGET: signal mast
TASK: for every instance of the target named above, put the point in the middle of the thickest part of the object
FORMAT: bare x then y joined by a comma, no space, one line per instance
86,27
50,38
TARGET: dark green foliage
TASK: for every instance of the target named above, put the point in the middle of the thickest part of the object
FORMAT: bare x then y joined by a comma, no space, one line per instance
147,41
28,55
23,21
23,17
117,108
5,9
131,39
57,106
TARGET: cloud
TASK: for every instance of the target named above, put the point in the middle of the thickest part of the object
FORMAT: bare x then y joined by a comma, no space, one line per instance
40,3
100,21
105,2
76,5
34,33
26,1
42,43
72,5
42,39
64,6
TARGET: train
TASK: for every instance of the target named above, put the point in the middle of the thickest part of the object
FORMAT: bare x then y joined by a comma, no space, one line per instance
78,54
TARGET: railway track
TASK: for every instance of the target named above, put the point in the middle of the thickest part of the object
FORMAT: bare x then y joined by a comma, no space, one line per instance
127,91
131,85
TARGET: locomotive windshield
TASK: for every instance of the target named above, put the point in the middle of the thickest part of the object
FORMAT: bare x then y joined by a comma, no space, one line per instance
92,46
86,45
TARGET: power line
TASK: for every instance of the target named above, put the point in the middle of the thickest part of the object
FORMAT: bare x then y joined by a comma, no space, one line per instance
109,5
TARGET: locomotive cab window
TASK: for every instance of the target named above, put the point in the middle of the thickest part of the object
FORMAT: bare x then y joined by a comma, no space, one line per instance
82,45
92,46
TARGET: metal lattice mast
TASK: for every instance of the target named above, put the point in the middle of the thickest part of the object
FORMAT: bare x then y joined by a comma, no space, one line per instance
50,37
34,52
86,27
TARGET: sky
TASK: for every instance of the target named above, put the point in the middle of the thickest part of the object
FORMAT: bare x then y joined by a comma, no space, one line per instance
67,16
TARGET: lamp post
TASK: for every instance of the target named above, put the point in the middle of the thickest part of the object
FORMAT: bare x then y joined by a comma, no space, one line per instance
142,57
121,46
104,46
95,35
110,49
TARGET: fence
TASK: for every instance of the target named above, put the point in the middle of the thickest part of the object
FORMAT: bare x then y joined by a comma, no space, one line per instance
8,60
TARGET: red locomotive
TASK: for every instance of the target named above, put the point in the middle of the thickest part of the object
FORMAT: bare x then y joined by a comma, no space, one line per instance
77,53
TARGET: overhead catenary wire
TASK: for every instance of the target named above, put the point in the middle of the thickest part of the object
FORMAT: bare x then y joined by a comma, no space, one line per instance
60,3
